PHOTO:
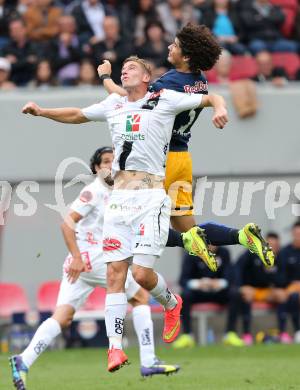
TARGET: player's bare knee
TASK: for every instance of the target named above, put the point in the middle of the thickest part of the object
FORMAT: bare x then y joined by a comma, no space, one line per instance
139,276
143,276
66,322
64,315
140,298
116,275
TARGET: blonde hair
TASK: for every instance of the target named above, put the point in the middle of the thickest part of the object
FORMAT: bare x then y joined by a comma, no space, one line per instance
145,65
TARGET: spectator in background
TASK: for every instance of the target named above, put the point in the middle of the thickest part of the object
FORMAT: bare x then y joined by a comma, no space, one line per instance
113,47
5,83
156,49
223,69
7,11
64,52
87,74
266,72
200,285
222,18
44,77
21,53
89,16
174,14
288,261
145,12
123,9
262,21
254,283
42,20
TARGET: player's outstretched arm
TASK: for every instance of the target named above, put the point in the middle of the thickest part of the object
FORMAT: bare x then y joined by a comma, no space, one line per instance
64,115
109,85
220,117
68,229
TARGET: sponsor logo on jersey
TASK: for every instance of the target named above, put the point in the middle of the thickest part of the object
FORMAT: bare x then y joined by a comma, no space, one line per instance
199,86
132,128
133,122
111,244
125,208
86,196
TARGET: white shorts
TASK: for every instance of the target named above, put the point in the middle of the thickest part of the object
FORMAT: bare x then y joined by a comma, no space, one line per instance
136,222
76,294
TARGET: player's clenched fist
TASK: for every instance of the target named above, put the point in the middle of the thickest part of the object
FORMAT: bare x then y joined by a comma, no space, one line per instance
31,108
220,117
104,68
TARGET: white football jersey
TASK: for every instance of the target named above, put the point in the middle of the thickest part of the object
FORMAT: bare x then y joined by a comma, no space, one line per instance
141,130
91,204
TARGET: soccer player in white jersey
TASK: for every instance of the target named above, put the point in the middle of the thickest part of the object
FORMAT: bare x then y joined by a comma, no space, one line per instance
137,217
83,270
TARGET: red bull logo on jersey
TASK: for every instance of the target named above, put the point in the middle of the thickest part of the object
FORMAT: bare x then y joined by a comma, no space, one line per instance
133,122
199,86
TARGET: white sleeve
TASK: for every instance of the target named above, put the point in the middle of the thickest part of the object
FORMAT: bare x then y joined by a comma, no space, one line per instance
96,112
184,101
85,202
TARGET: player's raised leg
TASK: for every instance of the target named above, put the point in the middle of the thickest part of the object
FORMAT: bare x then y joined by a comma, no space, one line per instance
249,236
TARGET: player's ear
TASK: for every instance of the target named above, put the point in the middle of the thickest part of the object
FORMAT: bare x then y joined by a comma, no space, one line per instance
146,78
186,59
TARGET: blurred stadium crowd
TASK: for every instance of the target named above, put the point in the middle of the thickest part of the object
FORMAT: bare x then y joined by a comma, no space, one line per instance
48,43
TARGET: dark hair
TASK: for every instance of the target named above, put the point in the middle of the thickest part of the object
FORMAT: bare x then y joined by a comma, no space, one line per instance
96,158
51,81
153,23
272,235
201,47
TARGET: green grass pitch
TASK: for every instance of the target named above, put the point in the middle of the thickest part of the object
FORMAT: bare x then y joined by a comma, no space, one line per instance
264,367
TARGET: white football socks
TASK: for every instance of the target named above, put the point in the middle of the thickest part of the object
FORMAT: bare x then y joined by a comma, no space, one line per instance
115,312
44,335
163,295
143,326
